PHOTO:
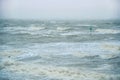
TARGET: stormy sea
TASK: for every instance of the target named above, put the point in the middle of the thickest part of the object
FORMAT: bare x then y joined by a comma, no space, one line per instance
59,50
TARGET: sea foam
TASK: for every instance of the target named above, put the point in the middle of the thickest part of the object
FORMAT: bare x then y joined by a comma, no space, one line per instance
107,31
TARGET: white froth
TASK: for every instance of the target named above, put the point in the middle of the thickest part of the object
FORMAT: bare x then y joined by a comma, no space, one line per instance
107,31
11,53
62,28
56,72
111,47
109,56
83,55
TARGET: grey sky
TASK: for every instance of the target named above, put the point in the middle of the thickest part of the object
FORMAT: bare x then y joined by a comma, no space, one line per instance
59,9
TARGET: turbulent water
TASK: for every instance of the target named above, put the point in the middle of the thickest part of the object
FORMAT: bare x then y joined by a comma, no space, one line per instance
59,50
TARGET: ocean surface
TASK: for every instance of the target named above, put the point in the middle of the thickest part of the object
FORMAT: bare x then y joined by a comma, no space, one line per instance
59,50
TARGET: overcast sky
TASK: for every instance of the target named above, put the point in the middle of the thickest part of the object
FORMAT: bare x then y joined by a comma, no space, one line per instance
59,9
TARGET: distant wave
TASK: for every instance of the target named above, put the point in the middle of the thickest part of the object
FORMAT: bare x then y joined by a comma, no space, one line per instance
107,31
63,28
86,25
32,30
57,31
18,28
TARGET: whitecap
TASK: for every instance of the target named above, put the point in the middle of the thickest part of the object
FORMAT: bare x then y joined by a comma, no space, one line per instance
20,29
86,25
34,28
107,31
109,56
62,28
74,33
111,47
83,55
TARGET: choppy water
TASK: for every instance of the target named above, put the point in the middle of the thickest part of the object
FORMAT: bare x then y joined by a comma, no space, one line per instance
59,50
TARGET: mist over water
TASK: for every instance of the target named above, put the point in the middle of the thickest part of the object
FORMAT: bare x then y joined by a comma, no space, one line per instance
63,9
59,50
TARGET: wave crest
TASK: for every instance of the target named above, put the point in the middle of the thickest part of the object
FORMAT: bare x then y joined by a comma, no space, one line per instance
107,31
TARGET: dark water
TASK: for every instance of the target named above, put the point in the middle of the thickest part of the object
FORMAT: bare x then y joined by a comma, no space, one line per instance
59,50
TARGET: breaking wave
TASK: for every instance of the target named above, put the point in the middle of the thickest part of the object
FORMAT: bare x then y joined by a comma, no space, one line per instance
63,28
23,30
107,31
56,72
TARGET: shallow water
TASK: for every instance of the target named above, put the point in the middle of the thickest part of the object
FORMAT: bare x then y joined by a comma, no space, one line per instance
59,50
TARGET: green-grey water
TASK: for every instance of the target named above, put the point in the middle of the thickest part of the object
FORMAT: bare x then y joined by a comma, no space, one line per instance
59,50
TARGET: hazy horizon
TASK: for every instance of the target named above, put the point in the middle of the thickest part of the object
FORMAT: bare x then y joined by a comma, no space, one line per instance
59,10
